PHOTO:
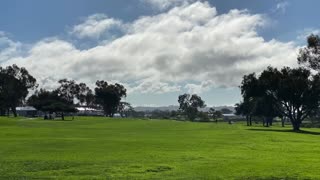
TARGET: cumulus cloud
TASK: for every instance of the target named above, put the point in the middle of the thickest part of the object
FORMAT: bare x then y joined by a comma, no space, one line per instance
95,26
160,53
8,47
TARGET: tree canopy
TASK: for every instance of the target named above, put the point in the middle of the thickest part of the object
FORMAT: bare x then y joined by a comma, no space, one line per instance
189,105
310,55
291,92
15,83
109,96
51,102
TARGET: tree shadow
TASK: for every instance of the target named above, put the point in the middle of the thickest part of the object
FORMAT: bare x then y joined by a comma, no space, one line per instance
286,131
53,120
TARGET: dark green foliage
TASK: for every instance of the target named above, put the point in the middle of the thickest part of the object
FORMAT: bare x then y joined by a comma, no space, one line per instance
109,96
291,93
85,95
189,105
15,83
215,115
125,109
203,116
51,102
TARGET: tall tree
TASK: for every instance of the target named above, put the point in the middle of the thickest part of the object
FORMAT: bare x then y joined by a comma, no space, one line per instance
189,105
245,108
68,89
85,95
109,96
15,83
310,55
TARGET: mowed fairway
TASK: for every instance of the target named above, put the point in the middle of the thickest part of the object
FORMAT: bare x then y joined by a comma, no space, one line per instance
102,148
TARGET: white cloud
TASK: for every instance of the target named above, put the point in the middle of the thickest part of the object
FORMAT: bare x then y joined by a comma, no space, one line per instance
189,43
307,32
165,4
282,6
8,47
199,88
95,26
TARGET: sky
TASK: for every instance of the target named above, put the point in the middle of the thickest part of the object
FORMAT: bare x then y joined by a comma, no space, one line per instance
158,49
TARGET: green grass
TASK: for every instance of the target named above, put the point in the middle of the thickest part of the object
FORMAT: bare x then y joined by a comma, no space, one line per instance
101,148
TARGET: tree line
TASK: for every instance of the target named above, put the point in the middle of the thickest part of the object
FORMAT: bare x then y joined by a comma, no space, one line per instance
288,93
16,83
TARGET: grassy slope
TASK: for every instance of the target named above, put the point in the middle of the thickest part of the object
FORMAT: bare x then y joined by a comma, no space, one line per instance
99,148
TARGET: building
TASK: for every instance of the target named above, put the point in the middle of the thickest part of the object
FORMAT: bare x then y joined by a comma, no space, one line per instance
27,111
86,111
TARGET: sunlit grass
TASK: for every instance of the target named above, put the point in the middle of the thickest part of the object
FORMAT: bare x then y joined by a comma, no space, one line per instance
101,148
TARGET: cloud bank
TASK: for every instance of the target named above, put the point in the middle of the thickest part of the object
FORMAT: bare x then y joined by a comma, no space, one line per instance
187,48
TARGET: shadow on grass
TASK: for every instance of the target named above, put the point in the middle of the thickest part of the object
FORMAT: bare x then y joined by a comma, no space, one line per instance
286,131
53,120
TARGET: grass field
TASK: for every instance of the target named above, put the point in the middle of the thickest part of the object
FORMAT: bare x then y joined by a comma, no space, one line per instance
101,148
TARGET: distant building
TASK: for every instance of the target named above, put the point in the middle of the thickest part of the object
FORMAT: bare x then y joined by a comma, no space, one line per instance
86,111
230,117
27,111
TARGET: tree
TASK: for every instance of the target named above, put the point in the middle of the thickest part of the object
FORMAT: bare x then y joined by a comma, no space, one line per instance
68,90
246,108
294,93
189,105
124,109
250,91
15,83
85,95
109,96
215,115
51,102
310,55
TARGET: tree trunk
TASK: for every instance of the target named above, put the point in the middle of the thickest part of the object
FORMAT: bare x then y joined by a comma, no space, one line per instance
250,120
296,127
283,121
13,109
2,112
62,116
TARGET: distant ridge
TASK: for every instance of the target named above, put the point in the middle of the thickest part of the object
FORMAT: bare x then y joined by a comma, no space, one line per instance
175,108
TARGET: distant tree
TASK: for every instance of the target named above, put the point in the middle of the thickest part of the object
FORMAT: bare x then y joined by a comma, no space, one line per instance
226,111
203,116
15,83
214,114
310,55
85,95
51,102
247,109
68,90
109,96
124,109
189,105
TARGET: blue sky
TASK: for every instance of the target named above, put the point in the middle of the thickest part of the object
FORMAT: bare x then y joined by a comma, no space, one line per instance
100,40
